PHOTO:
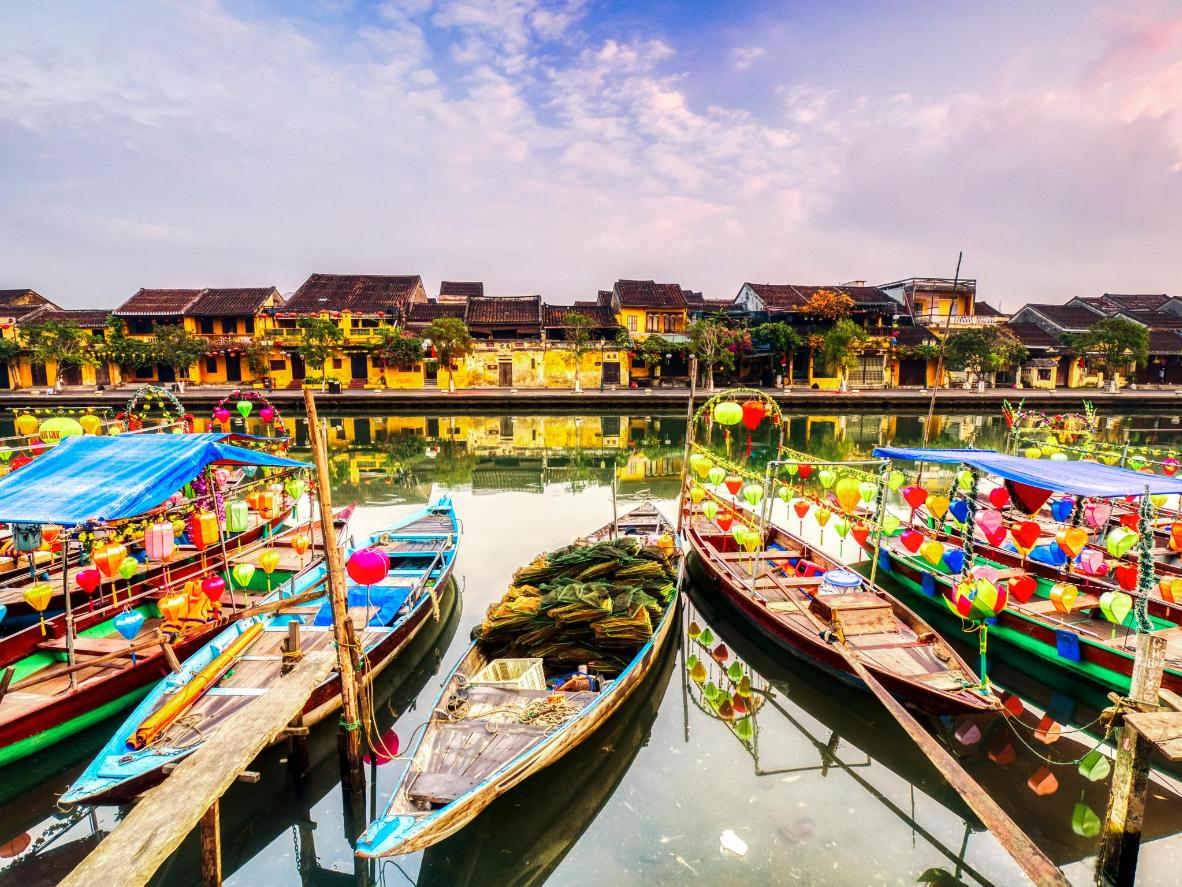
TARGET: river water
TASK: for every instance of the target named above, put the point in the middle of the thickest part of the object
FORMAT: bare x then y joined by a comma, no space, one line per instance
828,790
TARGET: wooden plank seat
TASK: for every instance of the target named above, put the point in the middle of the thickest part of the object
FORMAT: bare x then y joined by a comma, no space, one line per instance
1046,607
439,788
87,645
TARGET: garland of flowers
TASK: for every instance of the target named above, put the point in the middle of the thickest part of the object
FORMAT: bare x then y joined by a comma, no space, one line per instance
267,411
52,412
1146,577
771,408
970,521
1015,416
151,397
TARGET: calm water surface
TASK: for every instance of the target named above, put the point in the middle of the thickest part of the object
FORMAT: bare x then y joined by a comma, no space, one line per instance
827,791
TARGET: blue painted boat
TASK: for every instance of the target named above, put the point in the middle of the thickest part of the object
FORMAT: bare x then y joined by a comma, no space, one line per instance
246,659
483,738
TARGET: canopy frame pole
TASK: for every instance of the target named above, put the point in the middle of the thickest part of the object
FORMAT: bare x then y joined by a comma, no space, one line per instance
689,440
884,471
70,655
219,513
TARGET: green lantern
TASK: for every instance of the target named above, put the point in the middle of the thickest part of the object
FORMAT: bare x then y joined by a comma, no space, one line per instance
753,493
735,672
827,476
716,475
237,516
1095,766
728,413
244,407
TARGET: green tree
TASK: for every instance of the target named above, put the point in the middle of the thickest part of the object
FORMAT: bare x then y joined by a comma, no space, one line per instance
258,357
578,338
714,344
782,341
10,350
839,348
60,341
123,350
1114,343
178,348
985,350
399,349
321,338
449,336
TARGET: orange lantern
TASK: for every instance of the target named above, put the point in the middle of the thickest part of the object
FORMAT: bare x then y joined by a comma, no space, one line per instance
252,499
269,505
204,530
172,608
108,558
301,544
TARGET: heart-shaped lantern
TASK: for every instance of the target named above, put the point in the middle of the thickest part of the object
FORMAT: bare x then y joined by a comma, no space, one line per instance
999,497
1061,509
1116,605
1063,595
938,506
1120,540
912,540
895,481
1022,588
1072,540
1126,576
1025,534
932,552
959,509
915,496
805,471
1096,514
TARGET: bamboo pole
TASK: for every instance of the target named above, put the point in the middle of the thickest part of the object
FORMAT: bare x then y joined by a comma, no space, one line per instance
349,739
1117,860
689,439
71,658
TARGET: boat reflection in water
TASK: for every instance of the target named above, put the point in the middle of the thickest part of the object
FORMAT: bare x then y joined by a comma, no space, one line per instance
1039,784
524,835
256,816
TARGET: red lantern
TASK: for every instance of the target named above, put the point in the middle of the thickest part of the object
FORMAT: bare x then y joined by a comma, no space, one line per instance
368,566
88,580
1026,534
213,587
804,471
915,496
912,540
861,533
1126,576
724,521
1021,588
753,413
801,508
203,529
999,497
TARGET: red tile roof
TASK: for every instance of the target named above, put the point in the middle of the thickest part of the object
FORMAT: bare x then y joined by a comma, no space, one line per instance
1164,342
915,335
425,312
504,310
158,302
647,294
1110,303
87,318
19,302
793,297
467,289
984,309
1069,317
355,293
1032,335
221,302
600,316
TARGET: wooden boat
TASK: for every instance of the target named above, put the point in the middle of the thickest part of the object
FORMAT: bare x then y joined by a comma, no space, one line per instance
786,603
188,561
246,658
479,741
44,700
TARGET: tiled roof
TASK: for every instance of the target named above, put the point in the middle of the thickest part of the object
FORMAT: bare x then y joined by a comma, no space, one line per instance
647,294
1069,317
515,310
793,297
355,293
692,298
425,312
984,309
1110,303
601,317
19,302
915,335
604,297
1032,335
1165,342
159,302
220,302
466,289
87,318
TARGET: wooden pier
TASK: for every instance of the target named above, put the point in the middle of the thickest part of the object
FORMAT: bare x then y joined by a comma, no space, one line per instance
147,836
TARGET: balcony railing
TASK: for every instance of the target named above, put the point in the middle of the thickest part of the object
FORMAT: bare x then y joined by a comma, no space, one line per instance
959,320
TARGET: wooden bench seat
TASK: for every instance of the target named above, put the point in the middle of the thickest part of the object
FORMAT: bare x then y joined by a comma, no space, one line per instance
87,645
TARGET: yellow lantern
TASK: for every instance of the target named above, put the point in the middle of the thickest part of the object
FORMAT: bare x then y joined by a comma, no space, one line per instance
90,423
38,596
26,424
172,608
269,560
697,494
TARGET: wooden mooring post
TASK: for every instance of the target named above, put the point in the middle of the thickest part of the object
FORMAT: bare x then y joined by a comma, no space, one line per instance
156,826
1117,862
349,739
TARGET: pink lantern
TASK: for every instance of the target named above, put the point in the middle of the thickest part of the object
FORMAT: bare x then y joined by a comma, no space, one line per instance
159,541
88,580
213,587
220,477
368,566
221,414
267,414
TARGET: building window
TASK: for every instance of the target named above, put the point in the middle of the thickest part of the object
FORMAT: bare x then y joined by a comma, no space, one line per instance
279,364
211,364
286,323
248,324
229,326
337,363
139,327
631,324
207,325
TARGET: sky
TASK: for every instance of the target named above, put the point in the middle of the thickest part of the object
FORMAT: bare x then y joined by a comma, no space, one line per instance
553,146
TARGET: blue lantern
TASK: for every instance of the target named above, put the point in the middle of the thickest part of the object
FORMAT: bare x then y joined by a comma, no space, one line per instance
27,537
1061,509
128,623
954,558
3,612
960,510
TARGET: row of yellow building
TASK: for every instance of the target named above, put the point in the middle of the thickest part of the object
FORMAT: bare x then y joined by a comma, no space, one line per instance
254,334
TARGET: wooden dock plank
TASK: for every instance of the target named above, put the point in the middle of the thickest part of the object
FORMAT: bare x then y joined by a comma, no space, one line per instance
148,835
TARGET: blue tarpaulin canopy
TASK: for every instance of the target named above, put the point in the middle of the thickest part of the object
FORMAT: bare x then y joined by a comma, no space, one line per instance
1074,478
112,478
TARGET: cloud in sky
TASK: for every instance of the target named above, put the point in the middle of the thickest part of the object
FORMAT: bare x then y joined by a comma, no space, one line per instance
554,146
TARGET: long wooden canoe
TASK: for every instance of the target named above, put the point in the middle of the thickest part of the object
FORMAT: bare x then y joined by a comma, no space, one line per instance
185,707
460,765
777,588
42,706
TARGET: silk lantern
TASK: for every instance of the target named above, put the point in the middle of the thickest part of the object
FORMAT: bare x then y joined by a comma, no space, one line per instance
827,476
724,521
300,543
128,623
912,540
938,506
753,493
753,413
269,560
237,516
716,475
160,541
733,484
822,516
90,423
1126,576
728,413
213,587
697,494
1072,540
26,424
38,597
805,471
89,580
890,523
895,480
1025,535
1116,605
848,494
1061,509
368,566
999,497
221,415
710,509
1063,595
108,558
171,608
932,552
244,407
915,496
203,529
1021,588
701,464
867,490
1119,541
243,573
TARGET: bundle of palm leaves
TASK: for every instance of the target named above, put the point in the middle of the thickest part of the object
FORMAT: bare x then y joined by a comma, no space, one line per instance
581,605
